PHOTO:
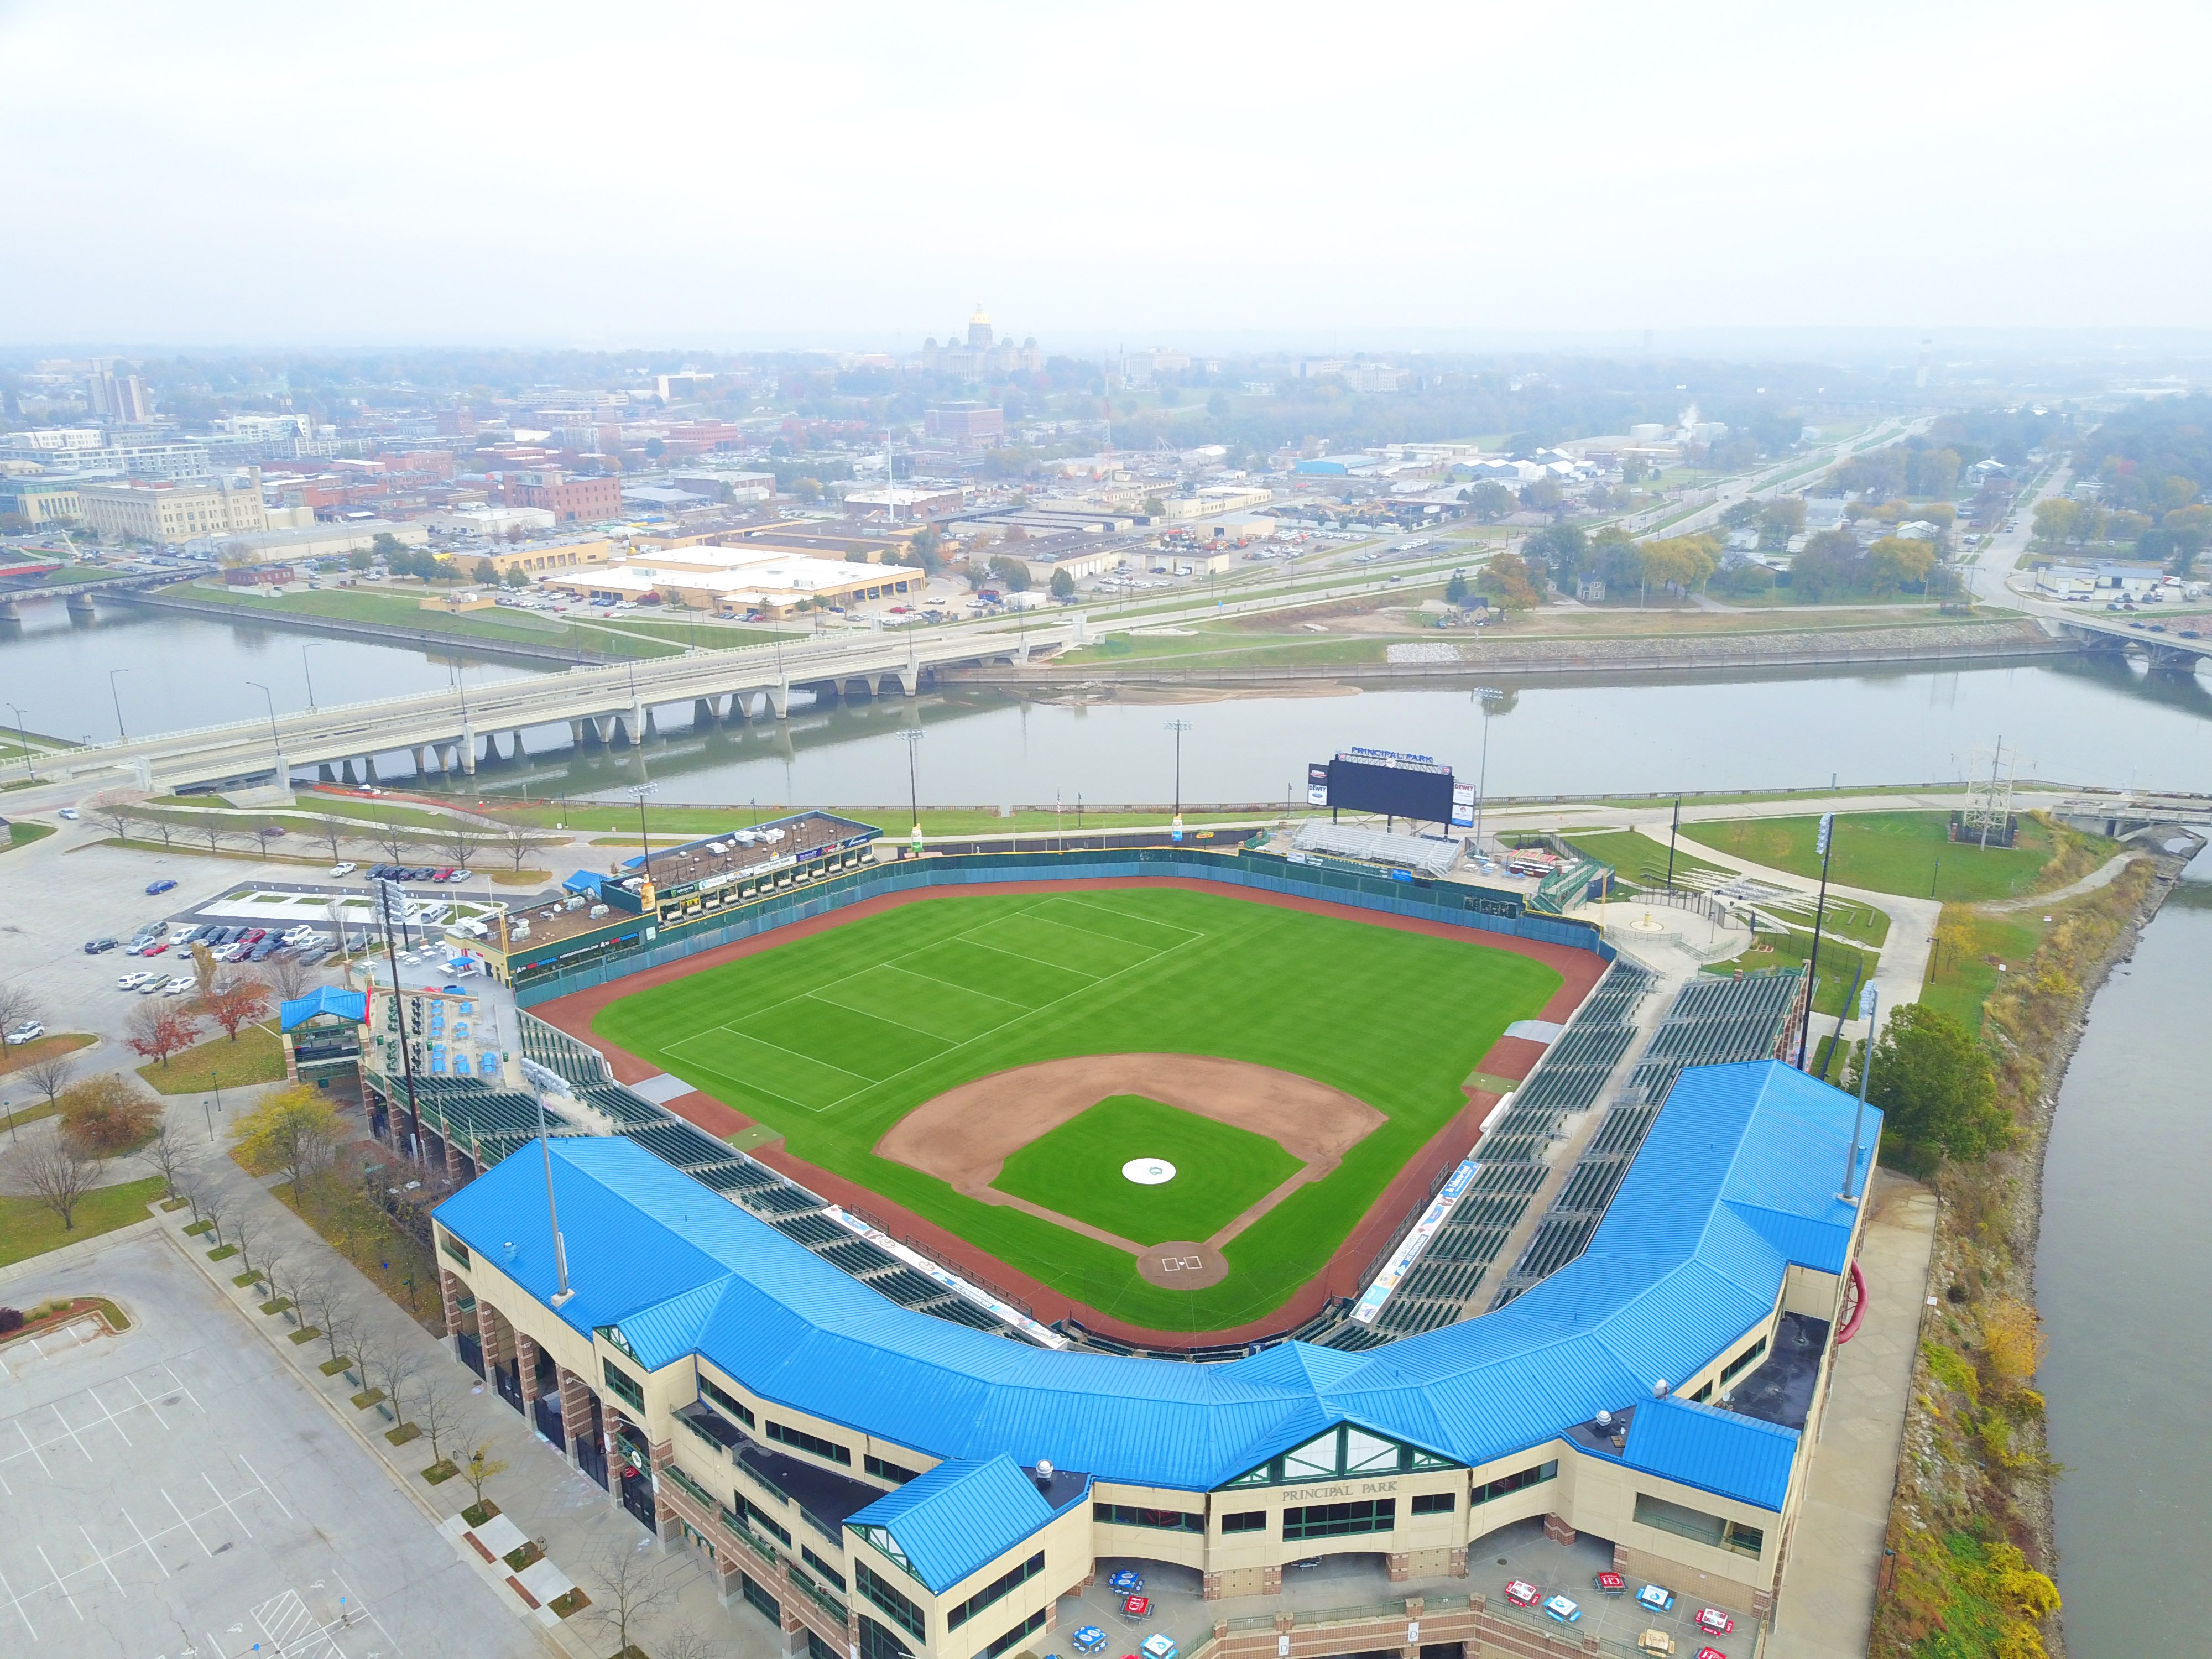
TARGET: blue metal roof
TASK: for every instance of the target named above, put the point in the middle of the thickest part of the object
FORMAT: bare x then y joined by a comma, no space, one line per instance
1718,1450
1736,1181
324,1000
958,1518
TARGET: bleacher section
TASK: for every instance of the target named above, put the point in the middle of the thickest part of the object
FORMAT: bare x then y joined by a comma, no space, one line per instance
1444,1284
1713,1022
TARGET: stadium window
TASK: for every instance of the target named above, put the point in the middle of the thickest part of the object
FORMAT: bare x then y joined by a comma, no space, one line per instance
727,1401
1034,1622
1435,1503
1125,1515
807,1554
1685,1522
454,1247
882,1469
1736,1367
1249,1521
628,1389
767,1522
997,1589
1338,1520
885,1594
810,1442
1514,1482
819,1649
761,1601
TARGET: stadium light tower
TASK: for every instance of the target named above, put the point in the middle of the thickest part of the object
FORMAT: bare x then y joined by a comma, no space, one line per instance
1175,829
911,737
638,791
1484,694
1867,1004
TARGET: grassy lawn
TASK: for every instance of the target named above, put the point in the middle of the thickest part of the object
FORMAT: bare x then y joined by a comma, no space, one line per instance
28,1228
340,1213
1900,853
1639,859
832,1039
256,1057
1840,964
1221,1170
402,609
22,834
20,1054
1963,971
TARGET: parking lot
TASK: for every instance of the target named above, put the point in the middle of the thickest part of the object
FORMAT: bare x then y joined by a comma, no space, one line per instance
171,1491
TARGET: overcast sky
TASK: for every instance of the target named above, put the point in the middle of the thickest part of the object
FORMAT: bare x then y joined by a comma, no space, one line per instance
232,173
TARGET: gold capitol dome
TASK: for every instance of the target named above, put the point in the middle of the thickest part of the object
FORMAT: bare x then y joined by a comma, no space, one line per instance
982,318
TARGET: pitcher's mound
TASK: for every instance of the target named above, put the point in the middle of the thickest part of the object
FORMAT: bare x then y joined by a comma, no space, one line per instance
1183,1266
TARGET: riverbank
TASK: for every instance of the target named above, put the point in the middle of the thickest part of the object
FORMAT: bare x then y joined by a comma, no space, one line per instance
436,632
1971,1549
1196,663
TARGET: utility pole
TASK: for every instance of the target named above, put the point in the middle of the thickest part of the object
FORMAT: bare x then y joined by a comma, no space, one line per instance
23,738
1672,833
1484,694
1820,912
121,736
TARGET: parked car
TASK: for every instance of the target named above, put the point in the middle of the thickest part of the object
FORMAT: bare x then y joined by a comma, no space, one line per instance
180,983
254,936
155,949
93,947
338,870
29,1031
163,885
457,875
68,813
132,982
153,986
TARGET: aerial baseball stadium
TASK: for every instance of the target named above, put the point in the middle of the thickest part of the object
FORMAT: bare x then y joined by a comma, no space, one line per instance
1272,1255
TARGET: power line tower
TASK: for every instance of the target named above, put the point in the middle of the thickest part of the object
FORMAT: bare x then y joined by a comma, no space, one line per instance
1989,777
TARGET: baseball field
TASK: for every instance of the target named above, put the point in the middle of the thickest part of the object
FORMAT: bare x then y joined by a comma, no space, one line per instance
996,1063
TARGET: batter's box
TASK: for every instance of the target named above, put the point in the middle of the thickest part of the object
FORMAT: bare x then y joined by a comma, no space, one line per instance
1183,1266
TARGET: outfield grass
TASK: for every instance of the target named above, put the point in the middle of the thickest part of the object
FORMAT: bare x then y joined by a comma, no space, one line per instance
1221,1170
1906,852
832,1039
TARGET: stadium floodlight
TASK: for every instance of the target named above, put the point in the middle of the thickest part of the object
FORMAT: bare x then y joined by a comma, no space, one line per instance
1867,1004
638,791
1175,829
912,737
1484,694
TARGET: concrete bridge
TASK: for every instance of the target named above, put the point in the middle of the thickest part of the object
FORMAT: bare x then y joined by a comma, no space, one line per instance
2166,648
2130,812
453,730
79,594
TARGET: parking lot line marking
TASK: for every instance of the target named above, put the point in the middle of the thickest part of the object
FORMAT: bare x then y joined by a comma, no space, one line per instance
58,1584
16,1602
187,1525
146,1402
33,1449
70,1428
101,1557
147,1542
260,1485
225,1502
113,1421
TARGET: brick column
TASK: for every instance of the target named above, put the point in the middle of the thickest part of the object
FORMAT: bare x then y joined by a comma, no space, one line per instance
1557,1529
526,1362
575,1409
451,1290
664,1512
1400,1566
1211,1584
498,1334
1456,1565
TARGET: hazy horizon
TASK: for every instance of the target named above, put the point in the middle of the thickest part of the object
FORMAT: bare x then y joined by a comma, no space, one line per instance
231,176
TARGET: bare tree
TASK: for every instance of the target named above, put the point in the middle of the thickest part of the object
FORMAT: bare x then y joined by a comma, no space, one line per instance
457,839
394,839
217,830
115,810
51,1076
325,1305
160,822
388,1363
18,1003
632,1586
436,1412
518,842
688,1641
215,1207
334,834
277,1269
480,1468
166,1157
288,976
245,1230
49,1169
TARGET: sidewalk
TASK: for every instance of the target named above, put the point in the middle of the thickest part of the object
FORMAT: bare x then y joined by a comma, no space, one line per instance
572,1518
1825,1610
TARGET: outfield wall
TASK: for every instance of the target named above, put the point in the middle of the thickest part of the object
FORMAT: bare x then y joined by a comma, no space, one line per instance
1481,910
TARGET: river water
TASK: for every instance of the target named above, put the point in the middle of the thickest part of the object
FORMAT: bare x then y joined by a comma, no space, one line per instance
2125,1252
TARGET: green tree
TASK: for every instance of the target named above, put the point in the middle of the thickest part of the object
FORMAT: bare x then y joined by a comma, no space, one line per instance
360,559
1505,579
1831,564
1063,585
295,1130
1011,574
924,547
386,547
2056,519
1456,590
1934,1082
1490,501
1896,561
486,573
1778,520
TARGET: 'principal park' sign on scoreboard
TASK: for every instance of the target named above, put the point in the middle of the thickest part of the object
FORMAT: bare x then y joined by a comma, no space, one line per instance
1397,785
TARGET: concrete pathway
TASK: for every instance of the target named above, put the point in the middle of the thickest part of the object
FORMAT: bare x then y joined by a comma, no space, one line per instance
2103,876
1826,1606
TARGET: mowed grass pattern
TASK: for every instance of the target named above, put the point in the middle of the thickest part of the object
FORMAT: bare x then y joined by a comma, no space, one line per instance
1221,1170
832,1038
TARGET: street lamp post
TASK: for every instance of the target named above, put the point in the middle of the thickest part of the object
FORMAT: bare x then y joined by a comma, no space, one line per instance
1484,695
310,673
24,737
275,741
1175,829
911,737
117,697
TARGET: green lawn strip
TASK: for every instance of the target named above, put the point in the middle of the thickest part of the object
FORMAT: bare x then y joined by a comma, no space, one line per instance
1841,963
1637,857
706,635
1963,971
257,1057
22,834
971,1009
20,1054
28,1228
1221,1170
1895,852
404,610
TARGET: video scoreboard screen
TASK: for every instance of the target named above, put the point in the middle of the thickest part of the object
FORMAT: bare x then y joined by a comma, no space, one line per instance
1381,780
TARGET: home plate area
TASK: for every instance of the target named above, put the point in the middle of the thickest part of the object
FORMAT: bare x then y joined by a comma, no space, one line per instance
1183,1267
